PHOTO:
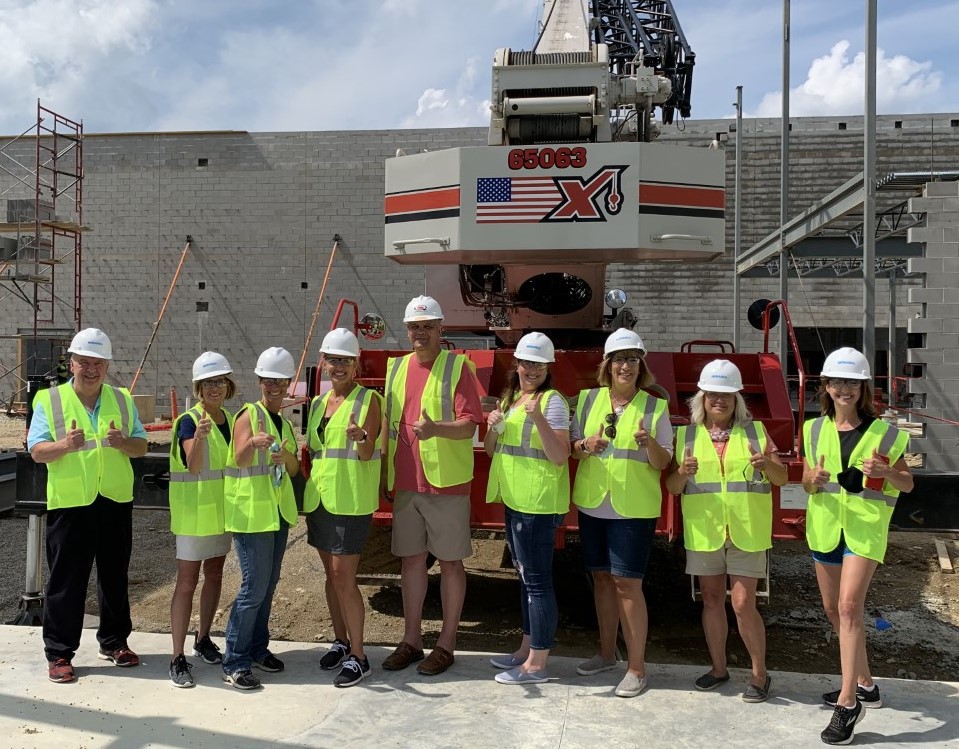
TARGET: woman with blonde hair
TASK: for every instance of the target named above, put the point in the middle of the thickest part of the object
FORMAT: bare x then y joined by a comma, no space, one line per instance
622,438
198,455
724,478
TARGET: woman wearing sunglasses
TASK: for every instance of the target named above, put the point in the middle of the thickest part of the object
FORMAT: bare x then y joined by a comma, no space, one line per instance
341,494
623,440
527,437
198,456
259,510
724,478
854,471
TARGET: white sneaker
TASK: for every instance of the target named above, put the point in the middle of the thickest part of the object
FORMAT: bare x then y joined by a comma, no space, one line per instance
631,685
595,665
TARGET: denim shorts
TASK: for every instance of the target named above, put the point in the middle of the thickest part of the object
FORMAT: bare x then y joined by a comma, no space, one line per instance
337,534
835,556
620,546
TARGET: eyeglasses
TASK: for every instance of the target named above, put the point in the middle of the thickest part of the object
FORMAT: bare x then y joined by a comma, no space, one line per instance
632,361
610,431
840,383
539,366
338,361
90,363
272,381
719,396
401,436
215,383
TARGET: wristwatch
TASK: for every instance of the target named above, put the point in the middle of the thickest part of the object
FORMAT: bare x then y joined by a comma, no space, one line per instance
365,435
584,447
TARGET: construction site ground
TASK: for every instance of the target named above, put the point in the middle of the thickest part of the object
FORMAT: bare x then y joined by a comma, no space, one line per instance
915,604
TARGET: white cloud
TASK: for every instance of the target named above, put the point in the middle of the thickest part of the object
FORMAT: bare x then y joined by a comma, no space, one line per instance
459,106
835,85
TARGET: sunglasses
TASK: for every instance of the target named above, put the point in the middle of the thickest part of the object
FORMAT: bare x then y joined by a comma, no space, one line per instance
271,381
610,430
338,361
539,366
400,435
215,383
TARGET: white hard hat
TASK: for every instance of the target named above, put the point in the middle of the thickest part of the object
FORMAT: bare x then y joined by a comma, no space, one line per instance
624,339
340,342
535,347
720,376
210,364
846,363
92,342
423,308
277,363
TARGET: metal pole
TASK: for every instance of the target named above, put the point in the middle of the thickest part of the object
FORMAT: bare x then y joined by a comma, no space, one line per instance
869,194
784,188
892,356
34,580
737,226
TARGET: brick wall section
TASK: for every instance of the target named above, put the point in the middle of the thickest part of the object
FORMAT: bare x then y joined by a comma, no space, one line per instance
265,208
938,323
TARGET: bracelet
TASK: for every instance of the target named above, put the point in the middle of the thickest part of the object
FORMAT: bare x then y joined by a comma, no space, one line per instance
584,447
362,441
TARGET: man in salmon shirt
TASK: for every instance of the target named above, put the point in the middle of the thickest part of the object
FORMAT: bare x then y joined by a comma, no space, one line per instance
431,412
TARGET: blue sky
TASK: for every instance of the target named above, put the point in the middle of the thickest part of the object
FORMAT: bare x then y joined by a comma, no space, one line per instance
280,65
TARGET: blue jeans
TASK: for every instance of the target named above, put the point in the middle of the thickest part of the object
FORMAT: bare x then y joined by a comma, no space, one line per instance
260,556
530,538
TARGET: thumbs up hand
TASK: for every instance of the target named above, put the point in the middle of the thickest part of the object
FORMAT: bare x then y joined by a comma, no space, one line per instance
276,456
532,405
757,461
494,421
690,465
425,427
641,435
354,431
115,437
598,442
820,476
262,440
875,466
203,427
75,437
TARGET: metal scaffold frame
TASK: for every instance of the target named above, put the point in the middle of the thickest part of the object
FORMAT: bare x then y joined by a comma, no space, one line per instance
48,229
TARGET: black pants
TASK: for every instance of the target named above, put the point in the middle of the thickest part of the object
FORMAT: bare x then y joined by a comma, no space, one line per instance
76,538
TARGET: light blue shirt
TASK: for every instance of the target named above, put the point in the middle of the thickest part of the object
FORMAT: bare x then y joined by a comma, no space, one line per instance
40,427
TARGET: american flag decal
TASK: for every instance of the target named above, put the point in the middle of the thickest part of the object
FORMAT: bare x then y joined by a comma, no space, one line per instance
514,200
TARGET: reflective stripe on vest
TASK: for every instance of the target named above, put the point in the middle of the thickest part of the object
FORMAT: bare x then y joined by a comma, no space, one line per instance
718,501
625,474
863,518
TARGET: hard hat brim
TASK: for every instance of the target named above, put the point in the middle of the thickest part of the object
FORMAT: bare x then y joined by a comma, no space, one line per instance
209,375
272,374
708,387
91,354
540,359
844,375
421,318
338,352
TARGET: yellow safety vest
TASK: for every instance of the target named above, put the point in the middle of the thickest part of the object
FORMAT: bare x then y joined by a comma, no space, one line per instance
196,501
625,474
445,462
345,484
737,501
862,519
520,475
251,503
75,479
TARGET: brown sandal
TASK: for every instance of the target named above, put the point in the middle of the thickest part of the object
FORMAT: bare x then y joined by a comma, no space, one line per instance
437,662
403,656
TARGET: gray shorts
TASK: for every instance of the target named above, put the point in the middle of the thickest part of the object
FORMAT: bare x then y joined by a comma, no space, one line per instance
337,534
200,548
437,523
727,560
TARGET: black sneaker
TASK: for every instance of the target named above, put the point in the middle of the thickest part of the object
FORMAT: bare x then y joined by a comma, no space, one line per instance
181,672
335,655
353,672
868,697
207,650
842,725
242,680
269,663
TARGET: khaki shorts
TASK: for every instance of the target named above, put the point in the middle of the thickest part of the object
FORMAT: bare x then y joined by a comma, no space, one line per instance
437,523
200,548
728,560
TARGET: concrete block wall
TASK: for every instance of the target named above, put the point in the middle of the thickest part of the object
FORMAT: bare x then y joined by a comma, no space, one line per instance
263,208
938,325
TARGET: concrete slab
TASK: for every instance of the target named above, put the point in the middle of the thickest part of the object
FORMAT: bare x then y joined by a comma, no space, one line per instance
109,707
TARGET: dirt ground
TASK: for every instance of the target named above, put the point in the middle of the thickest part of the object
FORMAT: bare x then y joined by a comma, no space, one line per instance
909,592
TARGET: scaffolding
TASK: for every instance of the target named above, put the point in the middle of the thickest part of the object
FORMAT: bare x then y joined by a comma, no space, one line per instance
40,239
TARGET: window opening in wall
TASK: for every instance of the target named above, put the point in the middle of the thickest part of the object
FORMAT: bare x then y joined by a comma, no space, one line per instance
842,125
202,162
897,124
954,123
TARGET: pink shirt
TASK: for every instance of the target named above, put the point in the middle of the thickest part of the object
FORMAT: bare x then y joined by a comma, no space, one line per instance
466,405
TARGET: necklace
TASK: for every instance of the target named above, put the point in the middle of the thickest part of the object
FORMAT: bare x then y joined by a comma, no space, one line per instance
720,435
616,402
